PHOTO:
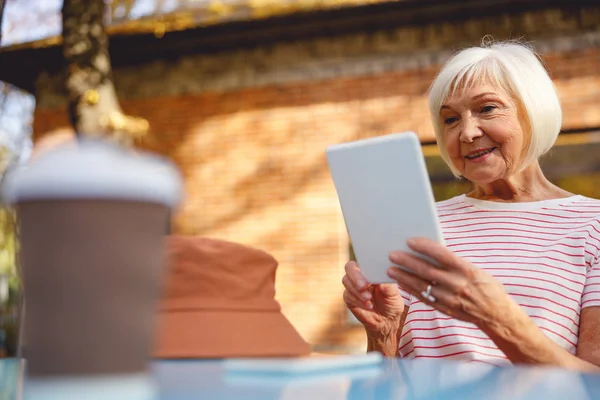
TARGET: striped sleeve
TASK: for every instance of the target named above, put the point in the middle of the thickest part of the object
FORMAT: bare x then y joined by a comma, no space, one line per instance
591,290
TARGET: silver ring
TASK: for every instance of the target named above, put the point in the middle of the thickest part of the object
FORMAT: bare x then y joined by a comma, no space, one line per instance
427,294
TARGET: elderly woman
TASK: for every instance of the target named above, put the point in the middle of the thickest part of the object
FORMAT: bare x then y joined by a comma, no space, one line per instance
519,278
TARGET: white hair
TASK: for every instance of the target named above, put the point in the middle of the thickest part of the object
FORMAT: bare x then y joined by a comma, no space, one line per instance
515,68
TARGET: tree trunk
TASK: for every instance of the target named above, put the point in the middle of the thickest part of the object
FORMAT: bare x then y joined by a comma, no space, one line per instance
93,105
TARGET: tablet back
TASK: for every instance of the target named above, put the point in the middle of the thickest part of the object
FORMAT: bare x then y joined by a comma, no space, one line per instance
386,197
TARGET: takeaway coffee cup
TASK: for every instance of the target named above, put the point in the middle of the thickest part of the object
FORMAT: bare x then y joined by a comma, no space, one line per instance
92,220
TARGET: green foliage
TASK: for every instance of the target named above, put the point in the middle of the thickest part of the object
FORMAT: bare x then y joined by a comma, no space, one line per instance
9,305
8,246
8,234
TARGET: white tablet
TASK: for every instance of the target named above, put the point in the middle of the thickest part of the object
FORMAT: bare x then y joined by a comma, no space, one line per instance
386,197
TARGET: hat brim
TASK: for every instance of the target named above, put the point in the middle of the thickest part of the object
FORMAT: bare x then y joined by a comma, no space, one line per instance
226,334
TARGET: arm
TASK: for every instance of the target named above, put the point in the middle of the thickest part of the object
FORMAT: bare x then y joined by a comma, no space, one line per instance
523,342
380,308
472,295
386,343
588,347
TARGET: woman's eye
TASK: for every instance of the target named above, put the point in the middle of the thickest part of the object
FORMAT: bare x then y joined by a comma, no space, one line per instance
450,120
487,109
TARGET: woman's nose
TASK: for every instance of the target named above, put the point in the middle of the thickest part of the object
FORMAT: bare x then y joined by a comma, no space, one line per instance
469,130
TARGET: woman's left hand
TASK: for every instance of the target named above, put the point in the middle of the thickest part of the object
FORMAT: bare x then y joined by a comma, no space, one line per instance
458,288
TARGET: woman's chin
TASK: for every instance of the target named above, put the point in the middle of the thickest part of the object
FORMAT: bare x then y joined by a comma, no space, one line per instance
483,176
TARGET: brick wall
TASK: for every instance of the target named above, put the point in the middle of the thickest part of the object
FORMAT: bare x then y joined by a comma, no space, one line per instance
252,153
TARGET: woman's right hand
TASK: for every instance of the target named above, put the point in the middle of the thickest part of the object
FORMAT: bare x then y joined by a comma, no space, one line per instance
379,307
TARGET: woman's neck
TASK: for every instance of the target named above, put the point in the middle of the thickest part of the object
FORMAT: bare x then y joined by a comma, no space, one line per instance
527,185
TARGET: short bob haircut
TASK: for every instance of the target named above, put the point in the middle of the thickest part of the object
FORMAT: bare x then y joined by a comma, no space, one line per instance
514,67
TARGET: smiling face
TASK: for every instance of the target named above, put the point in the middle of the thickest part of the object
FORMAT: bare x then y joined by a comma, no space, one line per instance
483,133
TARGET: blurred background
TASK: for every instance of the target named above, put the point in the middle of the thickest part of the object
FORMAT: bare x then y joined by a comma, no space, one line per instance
245,95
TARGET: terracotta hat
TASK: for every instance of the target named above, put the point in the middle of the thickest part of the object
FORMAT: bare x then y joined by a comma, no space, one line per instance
219,302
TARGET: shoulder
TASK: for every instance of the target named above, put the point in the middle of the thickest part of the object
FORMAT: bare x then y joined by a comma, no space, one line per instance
587,210
451,202
451,207
583,201
585,207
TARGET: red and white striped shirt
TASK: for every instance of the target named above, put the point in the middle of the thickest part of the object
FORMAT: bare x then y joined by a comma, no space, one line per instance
547,256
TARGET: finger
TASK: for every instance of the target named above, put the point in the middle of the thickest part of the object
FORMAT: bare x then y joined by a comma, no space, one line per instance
407,281
424,269
361,314
416,285
356,277
388,289
364,294
436,299
353,301
444,301
437,252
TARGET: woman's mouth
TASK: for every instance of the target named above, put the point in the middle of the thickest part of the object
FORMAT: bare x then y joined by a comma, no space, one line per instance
479,154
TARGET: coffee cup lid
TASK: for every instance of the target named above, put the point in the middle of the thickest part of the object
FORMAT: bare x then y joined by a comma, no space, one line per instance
94,169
